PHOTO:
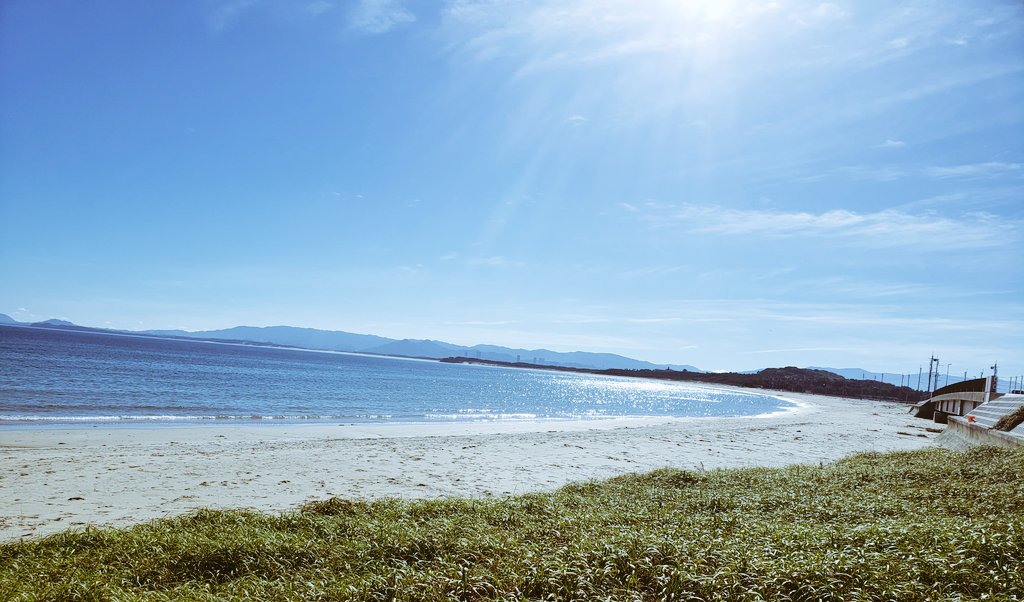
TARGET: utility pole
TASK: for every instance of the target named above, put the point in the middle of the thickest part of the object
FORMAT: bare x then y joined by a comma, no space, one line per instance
947,375
919,378
933,374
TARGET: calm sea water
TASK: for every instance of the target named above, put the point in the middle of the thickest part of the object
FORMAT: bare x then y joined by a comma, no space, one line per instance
62,377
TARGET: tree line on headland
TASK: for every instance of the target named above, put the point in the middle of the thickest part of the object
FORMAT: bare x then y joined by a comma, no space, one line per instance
797,380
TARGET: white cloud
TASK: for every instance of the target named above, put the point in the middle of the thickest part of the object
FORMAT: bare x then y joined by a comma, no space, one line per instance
379,16
829,10
871,173
495,261
886,173
818,15
881,229
223,14
319,7
545,34
992,169
651,272
893,143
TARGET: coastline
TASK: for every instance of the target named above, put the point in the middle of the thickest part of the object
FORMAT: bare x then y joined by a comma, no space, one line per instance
53,479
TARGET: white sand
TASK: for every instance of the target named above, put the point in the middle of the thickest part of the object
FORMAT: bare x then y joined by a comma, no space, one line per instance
53,479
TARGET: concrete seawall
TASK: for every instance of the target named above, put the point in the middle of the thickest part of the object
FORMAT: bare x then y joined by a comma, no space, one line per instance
960,434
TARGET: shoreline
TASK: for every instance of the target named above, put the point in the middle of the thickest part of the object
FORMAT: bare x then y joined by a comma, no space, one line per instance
498,424
270,421
52,479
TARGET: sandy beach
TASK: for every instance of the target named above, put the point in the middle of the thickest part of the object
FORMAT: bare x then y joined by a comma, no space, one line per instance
54,478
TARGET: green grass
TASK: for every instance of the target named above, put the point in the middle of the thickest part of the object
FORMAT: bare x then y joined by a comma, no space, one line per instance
924,525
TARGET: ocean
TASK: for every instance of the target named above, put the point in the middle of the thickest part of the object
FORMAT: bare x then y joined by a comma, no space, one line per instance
65,377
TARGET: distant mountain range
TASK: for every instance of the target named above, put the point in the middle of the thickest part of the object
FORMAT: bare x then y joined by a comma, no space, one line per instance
336,340
5,319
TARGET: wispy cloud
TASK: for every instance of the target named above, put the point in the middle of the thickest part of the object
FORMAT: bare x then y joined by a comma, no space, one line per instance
379,16
887,173
546,35
881,229
319,7
798,324
650,272
495,261
899,43
773,274
992,169
551,34
223,14
871,173
893,143
980,196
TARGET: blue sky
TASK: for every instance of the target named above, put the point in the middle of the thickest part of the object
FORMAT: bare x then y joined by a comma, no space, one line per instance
726,184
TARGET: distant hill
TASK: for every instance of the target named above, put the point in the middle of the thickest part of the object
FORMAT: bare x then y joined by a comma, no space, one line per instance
801,380
310,338
417,348
337,340
53,322
822,382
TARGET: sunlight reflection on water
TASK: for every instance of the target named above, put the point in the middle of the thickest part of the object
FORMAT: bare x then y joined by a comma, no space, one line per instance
74,378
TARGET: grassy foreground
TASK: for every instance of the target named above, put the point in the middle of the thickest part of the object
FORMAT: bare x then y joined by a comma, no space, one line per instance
924,525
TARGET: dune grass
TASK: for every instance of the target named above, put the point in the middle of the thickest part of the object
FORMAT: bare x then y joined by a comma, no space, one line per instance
1010,421
923,525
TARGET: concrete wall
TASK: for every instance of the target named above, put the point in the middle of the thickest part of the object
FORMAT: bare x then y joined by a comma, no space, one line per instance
979,435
